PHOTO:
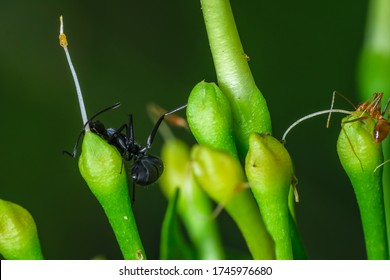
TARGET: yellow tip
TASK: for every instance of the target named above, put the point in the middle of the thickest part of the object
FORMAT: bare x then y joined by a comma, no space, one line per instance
62,37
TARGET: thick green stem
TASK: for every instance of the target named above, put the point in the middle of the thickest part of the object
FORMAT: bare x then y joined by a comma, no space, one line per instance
250,112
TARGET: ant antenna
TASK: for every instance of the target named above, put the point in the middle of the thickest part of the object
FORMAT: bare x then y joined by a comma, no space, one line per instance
311,116
331,105
64,44
73,154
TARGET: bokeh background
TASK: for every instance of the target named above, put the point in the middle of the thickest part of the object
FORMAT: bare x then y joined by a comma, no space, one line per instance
138,52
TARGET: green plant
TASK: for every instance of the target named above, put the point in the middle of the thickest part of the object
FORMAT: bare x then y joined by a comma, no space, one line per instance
237,163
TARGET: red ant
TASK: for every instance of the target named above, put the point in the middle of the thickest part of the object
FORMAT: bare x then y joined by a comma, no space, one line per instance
382,126
369,110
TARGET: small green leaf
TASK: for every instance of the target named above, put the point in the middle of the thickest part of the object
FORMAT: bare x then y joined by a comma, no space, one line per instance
172,243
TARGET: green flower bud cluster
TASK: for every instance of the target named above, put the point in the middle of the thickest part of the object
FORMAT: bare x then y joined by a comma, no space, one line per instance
254,194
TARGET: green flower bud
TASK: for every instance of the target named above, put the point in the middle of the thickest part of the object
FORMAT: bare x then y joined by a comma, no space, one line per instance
18,233
210,118
100,165
222,178
270,173
194,206
359,156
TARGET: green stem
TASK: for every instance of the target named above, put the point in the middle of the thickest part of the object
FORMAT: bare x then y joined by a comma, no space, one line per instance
250,112
378,26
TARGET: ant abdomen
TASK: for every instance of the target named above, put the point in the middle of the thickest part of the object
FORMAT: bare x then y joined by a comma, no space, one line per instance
381,130
147,169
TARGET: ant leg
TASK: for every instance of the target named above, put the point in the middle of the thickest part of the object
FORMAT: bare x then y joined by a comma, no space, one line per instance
387,105
374,105
331,108
158,123
350,144
73,154
133,195
349,140
130,132
357,119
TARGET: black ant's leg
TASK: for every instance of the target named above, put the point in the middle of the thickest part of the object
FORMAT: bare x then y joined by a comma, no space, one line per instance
73,154
133,195
152,134
130,132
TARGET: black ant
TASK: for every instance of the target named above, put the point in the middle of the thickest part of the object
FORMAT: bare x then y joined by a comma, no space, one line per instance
146,168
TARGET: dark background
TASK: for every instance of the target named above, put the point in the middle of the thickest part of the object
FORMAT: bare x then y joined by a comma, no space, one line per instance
136,52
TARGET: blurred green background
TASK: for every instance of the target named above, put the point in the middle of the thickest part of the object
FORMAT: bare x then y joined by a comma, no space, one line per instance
138,52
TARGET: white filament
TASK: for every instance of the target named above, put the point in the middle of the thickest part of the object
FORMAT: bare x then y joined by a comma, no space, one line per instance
311,116
76,81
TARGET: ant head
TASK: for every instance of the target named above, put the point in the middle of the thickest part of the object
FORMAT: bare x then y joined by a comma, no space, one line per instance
97,127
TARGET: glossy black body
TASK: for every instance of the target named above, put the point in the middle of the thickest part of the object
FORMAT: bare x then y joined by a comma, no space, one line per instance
146,168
